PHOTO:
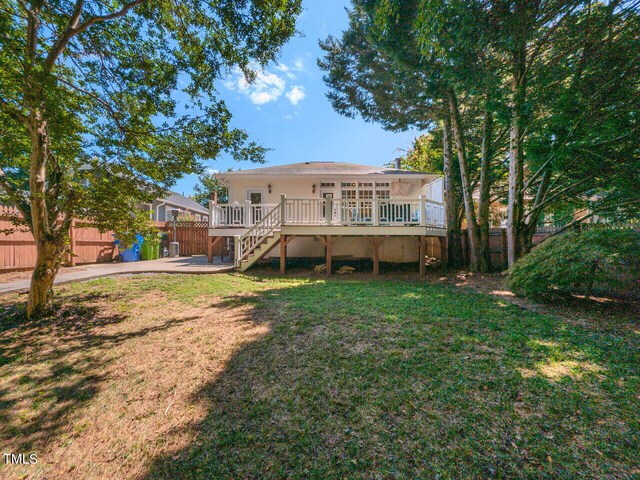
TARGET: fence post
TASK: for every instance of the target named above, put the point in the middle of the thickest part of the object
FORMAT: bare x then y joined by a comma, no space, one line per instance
503,248
72,243
283,209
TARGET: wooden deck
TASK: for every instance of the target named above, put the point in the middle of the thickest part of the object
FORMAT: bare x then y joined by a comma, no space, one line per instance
258,229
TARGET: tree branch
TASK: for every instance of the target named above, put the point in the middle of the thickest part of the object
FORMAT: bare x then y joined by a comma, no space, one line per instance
591,214
74,27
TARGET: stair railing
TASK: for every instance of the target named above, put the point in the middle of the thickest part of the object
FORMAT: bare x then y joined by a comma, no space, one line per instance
252,238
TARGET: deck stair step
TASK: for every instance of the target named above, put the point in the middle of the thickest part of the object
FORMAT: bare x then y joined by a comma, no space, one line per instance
259,251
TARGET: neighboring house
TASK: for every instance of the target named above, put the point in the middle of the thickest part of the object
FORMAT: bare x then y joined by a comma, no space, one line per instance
326,209
162,210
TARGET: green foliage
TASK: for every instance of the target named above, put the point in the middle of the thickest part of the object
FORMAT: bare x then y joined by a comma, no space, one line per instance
132,223
601,258
425,155
125,91
399,60
208,183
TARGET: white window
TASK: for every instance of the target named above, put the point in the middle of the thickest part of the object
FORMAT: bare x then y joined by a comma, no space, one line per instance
349,194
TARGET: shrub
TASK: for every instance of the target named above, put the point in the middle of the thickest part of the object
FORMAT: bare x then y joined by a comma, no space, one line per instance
599,258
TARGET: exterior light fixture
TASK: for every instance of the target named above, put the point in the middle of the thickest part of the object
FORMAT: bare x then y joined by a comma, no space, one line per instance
269,187
313,188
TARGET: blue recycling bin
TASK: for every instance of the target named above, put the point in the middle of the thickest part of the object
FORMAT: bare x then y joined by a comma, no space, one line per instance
132,254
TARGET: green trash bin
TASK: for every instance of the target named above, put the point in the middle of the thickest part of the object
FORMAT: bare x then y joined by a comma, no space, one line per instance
146,250
150,249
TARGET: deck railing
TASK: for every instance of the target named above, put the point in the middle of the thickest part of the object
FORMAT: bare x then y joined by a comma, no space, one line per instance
238,215
328,211
247,242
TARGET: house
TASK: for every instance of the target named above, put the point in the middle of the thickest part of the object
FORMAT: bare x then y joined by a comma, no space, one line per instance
329,209
162,210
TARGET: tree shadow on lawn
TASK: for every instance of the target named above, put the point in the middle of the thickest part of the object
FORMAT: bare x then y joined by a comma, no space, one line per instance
53,366
390,379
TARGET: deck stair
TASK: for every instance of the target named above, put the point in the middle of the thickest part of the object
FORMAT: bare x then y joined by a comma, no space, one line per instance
258,240
259,251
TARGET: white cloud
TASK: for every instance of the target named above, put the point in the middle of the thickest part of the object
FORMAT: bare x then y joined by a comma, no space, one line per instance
281,67
212,171
298,64
296,94
287,117
267,87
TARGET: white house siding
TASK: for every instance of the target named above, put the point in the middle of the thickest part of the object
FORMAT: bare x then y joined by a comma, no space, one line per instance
302,187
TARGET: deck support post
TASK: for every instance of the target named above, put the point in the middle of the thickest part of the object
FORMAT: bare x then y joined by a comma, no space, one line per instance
376,257
211,243
375,243
210,249
283,254
329,245
422,240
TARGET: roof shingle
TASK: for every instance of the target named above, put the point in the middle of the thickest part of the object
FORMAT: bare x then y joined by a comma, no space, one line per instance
323,168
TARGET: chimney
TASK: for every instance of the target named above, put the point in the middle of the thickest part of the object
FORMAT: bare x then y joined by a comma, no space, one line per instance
398,161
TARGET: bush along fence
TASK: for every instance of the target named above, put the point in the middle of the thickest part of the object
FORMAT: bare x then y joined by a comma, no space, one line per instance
498,238
88,244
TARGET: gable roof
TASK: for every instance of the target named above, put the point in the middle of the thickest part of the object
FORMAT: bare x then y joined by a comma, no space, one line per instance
185,202
322,168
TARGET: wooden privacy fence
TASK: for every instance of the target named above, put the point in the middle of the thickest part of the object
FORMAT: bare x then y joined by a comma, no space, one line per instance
192,236
18,248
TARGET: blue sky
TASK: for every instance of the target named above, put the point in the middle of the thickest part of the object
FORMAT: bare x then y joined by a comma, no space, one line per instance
287,110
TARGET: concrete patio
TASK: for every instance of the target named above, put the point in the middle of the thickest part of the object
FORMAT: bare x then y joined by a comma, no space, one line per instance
196,264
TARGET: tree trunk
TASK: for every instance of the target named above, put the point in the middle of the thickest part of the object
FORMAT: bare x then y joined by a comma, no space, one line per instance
536,211
476,261
48,261
516,159
454,234
50,237
485,186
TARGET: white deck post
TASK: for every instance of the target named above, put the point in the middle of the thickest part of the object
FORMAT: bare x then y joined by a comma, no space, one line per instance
247,213
375,214
236,247
283,209
423,211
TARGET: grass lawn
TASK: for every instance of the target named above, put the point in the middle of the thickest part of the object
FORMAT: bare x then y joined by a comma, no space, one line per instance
233,376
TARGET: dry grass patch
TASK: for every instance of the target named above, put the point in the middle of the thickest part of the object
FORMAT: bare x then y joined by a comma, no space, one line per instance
97,393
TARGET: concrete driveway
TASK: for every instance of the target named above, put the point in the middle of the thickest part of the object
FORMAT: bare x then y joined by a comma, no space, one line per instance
197,264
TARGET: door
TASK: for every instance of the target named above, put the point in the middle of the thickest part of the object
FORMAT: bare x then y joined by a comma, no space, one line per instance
325,196
256,209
